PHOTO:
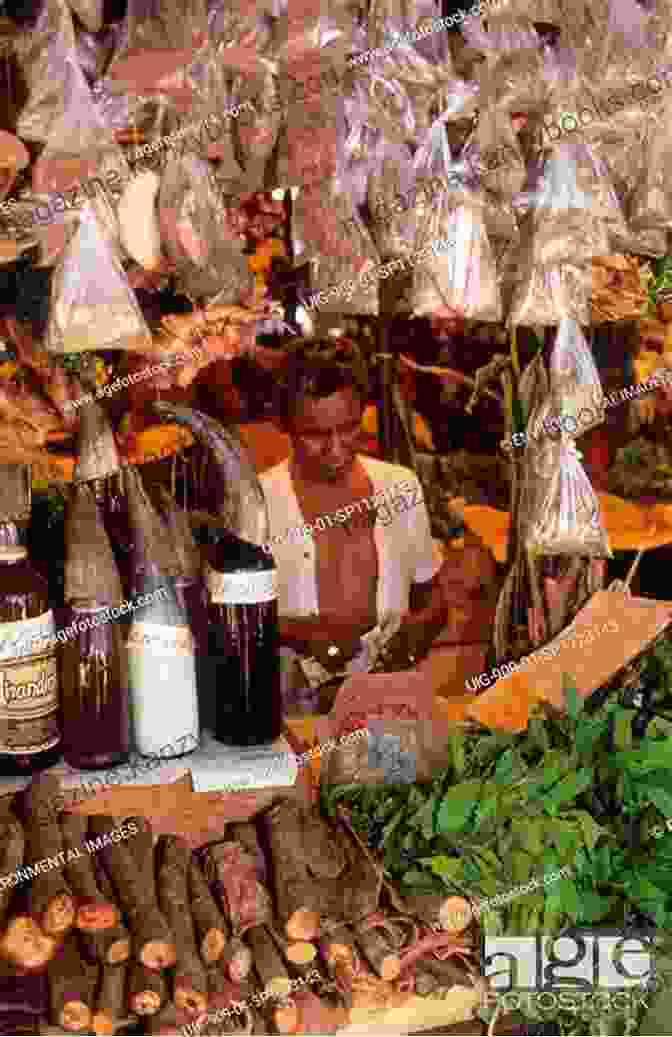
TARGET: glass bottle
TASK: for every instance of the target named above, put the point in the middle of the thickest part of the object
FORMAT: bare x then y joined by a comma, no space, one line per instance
30,723
111,501
94,673
243,653
160,645
190,592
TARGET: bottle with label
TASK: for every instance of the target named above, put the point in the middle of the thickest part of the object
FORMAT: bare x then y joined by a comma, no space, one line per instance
96,718
190,591
30,724
160,645
244,648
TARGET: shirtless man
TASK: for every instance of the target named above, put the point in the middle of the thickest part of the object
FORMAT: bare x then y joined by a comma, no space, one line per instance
350,534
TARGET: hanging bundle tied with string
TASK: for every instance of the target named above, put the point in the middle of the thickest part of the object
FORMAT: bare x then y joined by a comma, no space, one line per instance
461,276
562,515
92,304
575,382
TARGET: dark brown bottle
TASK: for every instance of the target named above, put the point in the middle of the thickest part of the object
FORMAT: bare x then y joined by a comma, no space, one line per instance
95,689
112,504
30,727
243,661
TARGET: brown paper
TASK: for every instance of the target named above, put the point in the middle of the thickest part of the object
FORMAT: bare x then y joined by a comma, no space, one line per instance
622,627
404,705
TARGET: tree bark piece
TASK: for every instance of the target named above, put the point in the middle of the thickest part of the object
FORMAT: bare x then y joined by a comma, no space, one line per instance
72,985
303,925
222,994
339,948
317,868
211,926
237,960
102,936
299,955
50,898
190,986
447,972
25,945
300,952
377,952
111,1001
245,833
79,870
153,942
147,990
13,842
111,946
455,915
275,979
285,1017
425,983
232,872
169,1022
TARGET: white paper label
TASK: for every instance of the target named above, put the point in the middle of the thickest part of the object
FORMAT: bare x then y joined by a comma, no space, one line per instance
162,676
246,588
29,686
27,636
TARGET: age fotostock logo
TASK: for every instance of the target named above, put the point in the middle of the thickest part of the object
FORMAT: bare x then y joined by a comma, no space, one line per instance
581,960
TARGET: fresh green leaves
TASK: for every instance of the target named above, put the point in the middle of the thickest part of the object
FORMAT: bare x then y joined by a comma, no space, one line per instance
458,806
570,792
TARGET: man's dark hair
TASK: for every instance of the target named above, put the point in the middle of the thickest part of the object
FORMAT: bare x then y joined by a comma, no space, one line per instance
321,367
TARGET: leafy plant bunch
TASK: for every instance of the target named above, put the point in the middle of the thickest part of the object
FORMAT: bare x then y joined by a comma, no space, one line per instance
659,282
573,791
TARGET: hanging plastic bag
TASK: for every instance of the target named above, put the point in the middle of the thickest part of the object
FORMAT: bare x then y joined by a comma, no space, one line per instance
161,35
92,303
139,220
391,199
650,208
216,99
255,129
94,52
342,272
197,235
565,516
327,226
461,277
575,382
545,297
391,173
42,54
89,12
79,149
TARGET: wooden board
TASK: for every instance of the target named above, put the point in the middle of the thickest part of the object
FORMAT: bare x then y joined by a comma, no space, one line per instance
419,1014
609,632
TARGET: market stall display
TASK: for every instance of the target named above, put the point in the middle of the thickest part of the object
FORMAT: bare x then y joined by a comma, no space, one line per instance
167,980
203,200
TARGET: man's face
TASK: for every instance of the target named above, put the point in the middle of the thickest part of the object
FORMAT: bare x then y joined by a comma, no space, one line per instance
326,434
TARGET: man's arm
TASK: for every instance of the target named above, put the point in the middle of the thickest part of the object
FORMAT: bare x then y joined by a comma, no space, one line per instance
421,625
428,610
316,635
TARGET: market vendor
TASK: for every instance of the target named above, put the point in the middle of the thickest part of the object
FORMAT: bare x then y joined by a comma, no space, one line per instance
350,535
